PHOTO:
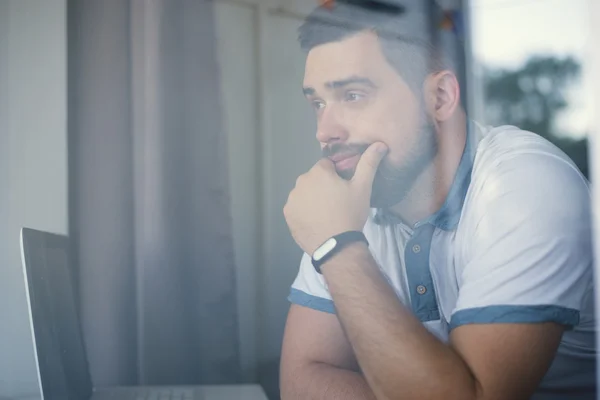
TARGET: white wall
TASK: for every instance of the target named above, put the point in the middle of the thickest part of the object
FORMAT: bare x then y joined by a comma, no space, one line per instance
33,161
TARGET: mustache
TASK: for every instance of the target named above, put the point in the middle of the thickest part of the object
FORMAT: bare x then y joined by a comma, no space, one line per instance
342,148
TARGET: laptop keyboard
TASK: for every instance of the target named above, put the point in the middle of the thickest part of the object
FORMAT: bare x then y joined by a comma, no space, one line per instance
164,394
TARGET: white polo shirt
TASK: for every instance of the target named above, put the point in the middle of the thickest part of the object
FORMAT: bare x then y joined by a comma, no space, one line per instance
511,244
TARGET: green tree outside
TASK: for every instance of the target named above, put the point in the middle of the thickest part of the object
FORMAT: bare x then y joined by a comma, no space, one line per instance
532,97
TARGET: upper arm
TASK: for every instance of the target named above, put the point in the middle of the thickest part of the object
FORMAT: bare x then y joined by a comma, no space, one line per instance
508,361
313,336
527,274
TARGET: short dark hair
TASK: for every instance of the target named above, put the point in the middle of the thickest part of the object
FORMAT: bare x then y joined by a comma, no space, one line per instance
413,55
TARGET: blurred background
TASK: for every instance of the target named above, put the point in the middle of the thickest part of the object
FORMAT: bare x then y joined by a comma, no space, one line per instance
164,137
532,69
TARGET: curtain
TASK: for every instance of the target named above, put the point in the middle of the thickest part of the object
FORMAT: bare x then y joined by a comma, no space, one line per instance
149,199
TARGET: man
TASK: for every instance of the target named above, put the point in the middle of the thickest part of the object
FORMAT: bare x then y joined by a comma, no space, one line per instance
473,279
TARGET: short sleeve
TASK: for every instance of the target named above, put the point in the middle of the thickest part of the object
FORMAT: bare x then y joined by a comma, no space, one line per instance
529,256
309,288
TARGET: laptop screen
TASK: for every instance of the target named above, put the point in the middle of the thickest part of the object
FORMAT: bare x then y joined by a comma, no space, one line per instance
61,356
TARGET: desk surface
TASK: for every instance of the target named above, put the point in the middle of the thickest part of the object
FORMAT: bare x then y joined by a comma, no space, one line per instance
207,392
234,392
203,392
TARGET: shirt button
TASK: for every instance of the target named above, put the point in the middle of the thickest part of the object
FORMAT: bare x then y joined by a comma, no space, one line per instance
416,248
421,289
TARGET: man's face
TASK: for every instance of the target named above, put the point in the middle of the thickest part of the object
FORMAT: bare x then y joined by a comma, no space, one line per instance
359,99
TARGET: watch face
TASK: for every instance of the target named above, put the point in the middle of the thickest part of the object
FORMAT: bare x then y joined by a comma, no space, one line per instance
324,249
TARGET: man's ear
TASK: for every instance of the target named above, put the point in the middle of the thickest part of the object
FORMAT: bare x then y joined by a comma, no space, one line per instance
442,95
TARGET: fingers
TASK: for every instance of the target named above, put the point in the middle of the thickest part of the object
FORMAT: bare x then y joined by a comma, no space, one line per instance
323,164
368,164
326,164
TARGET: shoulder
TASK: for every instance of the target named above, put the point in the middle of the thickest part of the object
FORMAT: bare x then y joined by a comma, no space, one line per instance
499,146
513,164
525,188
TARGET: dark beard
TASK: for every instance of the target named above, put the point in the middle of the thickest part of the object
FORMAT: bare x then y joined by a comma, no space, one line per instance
391,183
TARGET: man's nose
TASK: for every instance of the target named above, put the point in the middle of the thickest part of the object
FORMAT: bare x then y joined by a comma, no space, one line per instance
330,128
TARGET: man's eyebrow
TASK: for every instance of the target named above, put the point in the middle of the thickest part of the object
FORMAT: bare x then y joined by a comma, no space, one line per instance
350,81
309,91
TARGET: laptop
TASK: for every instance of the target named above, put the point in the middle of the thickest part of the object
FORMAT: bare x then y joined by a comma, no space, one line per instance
61,360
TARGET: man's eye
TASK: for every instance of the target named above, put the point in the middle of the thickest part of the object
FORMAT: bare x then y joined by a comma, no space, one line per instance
318,104
354,96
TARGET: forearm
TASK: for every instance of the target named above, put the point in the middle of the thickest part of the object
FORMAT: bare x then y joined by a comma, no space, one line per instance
387,338
319,381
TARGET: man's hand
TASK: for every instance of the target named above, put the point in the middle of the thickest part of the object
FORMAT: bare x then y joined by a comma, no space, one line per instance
323,205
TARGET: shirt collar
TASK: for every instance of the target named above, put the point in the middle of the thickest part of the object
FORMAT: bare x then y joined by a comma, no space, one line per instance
447,217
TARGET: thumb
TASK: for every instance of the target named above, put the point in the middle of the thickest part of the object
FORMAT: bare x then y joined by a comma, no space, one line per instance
368,163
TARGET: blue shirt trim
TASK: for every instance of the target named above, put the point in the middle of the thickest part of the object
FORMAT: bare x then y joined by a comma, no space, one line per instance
316,303
515,314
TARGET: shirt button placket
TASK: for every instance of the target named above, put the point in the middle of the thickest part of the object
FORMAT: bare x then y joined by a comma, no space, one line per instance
421,289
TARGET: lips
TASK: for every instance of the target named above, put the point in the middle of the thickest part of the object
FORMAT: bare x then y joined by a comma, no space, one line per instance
341,156
345,161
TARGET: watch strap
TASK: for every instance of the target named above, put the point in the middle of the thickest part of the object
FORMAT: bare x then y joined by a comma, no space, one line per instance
333,245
